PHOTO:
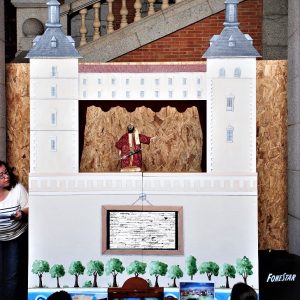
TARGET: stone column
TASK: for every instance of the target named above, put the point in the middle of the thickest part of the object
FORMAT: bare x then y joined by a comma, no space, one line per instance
2,86
275,19
294,126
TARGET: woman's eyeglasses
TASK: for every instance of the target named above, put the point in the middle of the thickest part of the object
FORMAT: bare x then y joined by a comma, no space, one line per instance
2,174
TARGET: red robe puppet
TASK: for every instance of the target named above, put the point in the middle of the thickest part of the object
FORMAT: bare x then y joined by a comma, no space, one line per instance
130,149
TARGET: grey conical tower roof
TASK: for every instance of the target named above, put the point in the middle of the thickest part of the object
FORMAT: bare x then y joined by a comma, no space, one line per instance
231,42
53,43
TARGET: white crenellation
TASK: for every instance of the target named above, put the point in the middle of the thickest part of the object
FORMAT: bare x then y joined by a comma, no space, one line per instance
150,183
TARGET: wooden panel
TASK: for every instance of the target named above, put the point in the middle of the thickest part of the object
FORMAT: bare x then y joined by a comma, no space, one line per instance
272,153
17,99
177,147
271,141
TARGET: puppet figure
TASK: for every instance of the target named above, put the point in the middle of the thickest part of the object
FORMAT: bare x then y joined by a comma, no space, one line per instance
130,149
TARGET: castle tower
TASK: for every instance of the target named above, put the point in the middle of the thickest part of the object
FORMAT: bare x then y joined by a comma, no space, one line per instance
53,99
231,98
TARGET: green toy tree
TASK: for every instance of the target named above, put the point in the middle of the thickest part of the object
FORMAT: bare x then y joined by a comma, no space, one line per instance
210,268
244,267
137,268
76,268
95,268
57,271
228,270
87,284
114,266
191,266
157,268
175,272
40,267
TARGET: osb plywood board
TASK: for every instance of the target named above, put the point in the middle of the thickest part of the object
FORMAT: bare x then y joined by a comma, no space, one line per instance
17,101
272,153
271,141
177,146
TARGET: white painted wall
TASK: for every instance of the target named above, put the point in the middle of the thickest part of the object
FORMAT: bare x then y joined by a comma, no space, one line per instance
66,222
54,115
142,86
220,208
41,114
44,159
42,67
239,155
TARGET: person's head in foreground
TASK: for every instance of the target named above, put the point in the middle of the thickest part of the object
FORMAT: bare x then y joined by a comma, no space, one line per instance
61,295
242,291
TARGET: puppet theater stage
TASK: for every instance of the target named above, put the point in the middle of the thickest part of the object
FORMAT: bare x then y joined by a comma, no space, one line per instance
199,173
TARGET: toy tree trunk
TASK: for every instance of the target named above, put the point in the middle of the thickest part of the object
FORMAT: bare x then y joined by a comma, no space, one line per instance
174,283
57,282
40,280
95,281
227,282
115,280
245,279
156,281
76,281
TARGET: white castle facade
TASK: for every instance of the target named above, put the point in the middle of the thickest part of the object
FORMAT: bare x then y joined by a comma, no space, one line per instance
219,206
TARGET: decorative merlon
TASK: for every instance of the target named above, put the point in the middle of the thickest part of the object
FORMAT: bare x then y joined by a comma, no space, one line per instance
147,183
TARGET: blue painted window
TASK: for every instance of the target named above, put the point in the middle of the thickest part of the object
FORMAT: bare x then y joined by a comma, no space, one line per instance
53,118
230,103
53,91
229,134
54,71
222,72
237,72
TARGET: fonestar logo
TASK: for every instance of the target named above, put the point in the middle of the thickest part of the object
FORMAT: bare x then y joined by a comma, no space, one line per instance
281,277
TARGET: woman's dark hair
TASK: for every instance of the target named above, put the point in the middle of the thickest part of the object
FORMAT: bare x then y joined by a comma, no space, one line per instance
242,291
61,295
13,179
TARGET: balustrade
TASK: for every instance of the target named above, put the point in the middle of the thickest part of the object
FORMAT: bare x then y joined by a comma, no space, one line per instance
83,28
124,13
97,22
103,17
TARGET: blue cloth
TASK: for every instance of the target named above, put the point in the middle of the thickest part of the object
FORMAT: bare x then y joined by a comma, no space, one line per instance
13,268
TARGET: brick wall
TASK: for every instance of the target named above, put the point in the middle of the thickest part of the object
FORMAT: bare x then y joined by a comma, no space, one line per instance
117,5
189,44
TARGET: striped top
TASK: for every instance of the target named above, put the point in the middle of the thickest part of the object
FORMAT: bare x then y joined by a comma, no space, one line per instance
16,199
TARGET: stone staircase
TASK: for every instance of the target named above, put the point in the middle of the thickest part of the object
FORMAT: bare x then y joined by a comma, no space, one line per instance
106,29
118,35
149,29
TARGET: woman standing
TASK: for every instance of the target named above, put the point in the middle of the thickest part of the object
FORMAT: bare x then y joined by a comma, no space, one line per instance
13,234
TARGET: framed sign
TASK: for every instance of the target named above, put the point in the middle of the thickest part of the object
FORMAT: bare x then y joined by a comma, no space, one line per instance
197,290
142,230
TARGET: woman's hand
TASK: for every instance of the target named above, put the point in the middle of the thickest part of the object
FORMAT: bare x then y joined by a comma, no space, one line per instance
21,215
18,215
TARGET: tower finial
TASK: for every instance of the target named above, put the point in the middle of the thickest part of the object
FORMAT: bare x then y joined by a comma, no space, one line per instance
231,13
53,14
